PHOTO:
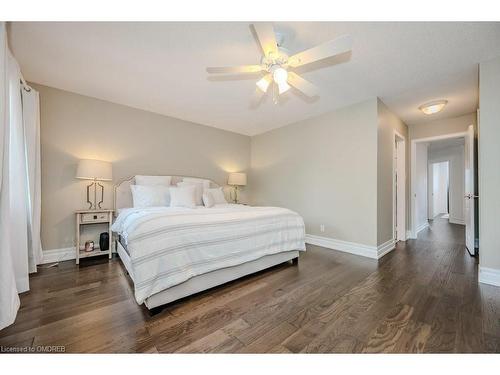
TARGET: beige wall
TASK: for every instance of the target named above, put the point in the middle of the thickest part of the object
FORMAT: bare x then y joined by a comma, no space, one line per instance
325,169
489,164
440,127
137,142
388,124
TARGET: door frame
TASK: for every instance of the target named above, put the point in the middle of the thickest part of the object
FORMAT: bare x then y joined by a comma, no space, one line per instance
399,234
413,169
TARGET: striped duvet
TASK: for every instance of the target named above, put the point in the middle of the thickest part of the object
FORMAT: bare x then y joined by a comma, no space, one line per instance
168,246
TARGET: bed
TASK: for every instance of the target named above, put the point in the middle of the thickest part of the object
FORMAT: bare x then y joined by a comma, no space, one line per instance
173,252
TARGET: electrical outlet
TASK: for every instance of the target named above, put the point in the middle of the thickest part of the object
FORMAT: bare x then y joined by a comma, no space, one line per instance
322,228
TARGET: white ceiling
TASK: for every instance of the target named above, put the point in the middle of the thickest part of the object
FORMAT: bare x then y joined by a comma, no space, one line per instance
160,67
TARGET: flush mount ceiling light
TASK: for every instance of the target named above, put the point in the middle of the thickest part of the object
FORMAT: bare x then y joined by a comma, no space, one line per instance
433,107
277,64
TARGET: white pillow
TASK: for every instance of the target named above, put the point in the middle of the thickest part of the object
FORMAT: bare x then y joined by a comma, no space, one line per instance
206,183
208,199
150,195
198,190
183,196
218,195
153,180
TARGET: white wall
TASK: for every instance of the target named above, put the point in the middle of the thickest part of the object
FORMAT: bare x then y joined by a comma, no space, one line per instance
388,123
421,184
455,156
489,168
443,126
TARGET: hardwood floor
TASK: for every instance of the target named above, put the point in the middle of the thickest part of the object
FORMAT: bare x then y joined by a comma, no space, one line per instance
422,297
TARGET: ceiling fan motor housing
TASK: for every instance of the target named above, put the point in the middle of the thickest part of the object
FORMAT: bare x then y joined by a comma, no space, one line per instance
271,61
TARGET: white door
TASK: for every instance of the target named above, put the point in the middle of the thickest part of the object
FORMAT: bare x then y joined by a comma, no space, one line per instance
469,191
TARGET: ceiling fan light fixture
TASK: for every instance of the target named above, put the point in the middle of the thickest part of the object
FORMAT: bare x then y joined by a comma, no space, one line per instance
283,87
280,76
433,107
263,84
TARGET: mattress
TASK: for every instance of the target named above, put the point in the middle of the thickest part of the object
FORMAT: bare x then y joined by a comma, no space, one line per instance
168,246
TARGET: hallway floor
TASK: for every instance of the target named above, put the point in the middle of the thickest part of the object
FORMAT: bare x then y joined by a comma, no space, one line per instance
422,297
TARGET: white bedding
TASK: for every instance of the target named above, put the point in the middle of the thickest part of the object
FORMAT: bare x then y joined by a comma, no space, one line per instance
169,245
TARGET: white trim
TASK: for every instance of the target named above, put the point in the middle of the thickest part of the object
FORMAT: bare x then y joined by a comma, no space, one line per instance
413,168
385,248
409,235
456,221
489,276
65,253
401,180
58,255
373,252
422,227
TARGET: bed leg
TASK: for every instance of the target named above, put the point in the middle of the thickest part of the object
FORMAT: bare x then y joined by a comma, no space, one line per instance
295,261
155,310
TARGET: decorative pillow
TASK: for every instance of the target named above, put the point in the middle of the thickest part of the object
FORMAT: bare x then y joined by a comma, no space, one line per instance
183,196
150,195
153,180
206,183
218,195
208,199
198,190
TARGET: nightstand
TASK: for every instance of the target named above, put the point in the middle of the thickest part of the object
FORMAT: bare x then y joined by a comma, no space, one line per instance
86,217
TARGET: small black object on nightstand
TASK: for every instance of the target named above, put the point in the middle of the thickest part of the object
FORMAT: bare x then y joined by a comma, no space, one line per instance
104,241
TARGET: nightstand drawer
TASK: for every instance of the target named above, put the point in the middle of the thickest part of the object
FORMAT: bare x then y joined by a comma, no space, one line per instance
98,217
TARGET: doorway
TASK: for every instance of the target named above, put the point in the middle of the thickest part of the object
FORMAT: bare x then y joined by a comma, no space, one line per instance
440,178
439,191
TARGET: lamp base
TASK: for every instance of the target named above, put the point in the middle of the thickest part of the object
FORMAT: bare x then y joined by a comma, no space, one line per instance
235,199
95,205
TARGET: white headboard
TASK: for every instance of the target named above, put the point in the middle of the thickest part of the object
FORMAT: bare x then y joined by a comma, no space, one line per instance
123,195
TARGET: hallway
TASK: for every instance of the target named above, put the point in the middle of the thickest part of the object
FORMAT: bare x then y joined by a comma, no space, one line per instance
441,230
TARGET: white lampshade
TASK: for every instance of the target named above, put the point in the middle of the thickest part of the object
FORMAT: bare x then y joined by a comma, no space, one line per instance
94,170
239,179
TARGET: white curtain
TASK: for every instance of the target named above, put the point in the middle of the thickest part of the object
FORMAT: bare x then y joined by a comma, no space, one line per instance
20,249
18,192
9,300
31,121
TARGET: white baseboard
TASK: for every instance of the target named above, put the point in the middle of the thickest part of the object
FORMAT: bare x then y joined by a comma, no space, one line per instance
422,227
489,276
455,220
374,252
385,248
58,255
409,235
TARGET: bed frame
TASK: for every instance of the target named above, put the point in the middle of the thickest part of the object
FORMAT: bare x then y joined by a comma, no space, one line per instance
123,199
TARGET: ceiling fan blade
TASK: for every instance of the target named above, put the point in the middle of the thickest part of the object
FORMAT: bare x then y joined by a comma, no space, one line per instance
302,85
267,38
235,69
333,47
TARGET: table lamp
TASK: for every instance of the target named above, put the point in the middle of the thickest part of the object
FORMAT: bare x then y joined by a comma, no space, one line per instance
95,170
236,180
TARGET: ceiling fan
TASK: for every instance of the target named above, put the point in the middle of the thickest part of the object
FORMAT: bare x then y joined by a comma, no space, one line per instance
278,65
